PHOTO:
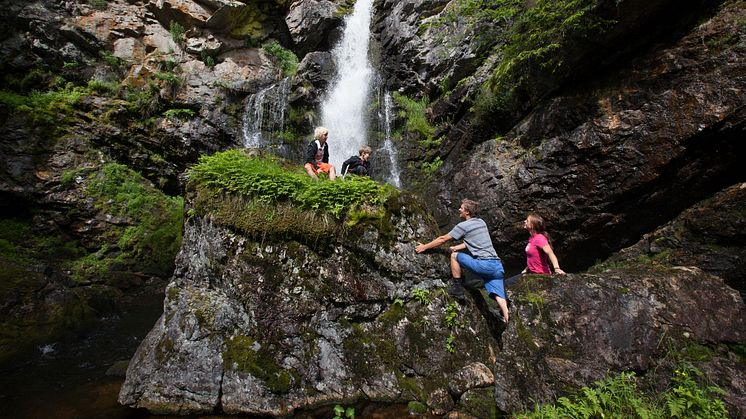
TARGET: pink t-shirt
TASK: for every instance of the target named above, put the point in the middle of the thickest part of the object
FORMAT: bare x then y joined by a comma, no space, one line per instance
536,260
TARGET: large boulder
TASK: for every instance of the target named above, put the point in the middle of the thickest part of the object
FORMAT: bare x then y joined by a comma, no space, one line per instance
567,332
265,328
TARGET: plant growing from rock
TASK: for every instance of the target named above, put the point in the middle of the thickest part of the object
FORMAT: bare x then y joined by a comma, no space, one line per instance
422,295
286,59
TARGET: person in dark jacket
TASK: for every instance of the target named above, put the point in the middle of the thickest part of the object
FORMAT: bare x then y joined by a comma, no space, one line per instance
317,155
358,165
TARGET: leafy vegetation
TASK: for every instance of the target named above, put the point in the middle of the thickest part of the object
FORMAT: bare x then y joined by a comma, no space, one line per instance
533,40
422,295
44,107
415,114
151,234
286,59
341,412
179,113
178,33
620,397
264,179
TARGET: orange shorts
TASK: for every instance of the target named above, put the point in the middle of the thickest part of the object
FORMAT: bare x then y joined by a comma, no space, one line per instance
323,167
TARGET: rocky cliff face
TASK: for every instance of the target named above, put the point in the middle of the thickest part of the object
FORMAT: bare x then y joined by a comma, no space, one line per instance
269,328
640,122
606,155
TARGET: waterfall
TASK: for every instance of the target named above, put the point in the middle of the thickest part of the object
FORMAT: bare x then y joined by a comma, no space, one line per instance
264,114
388,149
345,108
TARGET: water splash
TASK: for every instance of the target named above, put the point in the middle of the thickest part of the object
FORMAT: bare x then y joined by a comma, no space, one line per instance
344,111
389,149
264,114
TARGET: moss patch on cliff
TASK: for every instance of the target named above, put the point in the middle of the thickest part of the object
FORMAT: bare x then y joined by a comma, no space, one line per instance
245,354
144,224
263,196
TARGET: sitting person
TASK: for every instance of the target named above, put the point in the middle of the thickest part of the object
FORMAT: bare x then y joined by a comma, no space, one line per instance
358,165
317,155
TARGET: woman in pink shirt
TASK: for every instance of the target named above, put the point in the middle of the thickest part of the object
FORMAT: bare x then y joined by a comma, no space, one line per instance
538,250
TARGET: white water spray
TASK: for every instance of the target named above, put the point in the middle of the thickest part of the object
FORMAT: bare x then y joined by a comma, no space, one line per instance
344,110
264,113
389,150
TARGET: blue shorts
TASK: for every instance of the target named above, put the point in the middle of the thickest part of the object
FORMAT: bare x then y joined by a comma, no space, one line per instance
490,270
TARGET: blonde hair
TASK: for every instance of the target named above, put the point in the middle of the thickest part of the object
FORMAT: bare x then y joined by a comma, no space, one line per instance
365,149
319,131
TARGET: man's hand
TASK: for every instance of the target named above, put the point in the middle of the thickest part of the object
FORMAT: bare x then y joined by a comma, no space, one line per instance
420,248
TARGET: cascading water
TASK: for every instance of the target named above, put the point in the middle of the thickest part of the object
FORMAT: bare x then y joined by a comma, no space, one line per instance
389,150
344,111
264,114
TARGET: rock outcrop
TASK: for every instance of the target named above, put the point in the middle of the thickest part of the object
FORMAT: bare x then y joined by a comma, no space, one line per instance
612,158
268,328
571,331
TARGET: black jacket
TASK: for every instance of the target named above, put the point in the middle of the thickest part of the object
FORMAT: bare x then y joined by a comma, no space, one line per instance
311,153
356,165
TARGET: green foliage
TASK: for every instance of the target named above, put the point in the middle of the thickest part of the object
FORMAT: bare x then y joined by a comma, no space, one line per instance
451,343
417,407
44,107
208,60
178,33
687,399
170,78
451,316
153,233
286,59
264,180
415,114
619,397
429,168
103,87
145,101
179,113
340,412
113,61
422,295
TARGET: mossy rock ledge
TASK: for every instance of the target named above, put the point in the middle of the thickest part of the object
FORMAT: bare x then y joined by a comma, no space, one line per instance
263,325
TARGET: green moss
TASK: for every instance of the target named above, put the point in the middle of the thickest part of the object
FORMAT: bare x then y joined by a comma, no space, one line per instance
244,354
286,59
247,22
417,407
694,351
480,402
393,315
154,234
266,180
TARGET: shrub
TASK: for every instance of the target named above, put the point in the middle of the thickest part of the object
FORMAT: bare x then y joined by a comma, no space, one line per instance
415,114
265,180
286,59
178,33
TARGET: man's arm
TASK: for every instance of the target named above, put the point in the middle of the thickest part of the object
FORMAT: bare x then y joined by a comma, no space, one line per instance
458,247
435,243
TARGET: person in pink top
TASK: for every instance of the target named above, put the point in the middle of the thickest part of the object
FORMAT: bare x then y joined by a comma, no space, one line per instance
539,252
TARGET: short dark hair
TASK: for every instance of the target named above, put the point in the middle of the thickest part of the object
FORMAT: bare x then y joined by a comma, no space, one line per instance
365,149
472,207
